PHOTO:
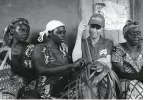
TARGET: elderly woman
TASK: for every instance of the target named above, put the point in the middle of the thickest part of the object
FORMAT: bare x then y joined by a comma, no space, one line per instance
51,61
18,71
127,59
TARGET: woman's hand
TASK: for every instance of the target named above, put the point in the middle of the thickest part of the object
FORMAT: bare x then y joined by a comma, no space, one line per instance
106,61
79,63
81,28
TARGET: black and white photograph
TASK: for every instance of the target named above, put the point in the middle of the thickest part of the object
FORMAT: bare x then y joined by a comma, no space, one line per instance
71,49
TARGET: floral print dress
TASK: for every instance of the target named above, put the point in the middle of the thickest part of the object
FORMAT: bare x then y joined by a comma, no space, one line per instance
10,83
132,89
46,85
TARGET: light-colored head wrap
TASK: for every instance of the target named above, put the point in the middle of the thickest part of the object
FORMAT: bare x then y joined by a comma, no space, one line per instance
49,27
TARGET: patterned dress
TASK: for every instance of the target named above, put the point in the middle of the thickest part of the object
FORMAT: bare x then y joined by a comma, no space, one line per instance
10,83
132,89
46,86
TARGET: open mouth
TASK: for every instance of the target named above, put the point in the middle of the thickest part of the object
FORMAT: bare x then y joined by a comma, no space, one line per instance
62,40
136,41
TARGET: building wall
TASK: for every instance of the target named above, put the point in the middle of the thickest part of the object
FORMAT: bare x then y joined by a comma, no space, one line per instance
70,12
39,12
88,9
138,12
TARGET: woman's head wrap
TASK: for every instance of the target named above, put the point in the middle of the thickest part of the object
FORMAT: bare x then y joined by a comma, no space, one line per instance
8,35
49,27
129,26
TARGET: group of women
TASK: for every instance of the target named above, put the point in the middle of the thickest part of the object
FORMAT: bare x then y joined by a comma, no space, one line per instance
46,71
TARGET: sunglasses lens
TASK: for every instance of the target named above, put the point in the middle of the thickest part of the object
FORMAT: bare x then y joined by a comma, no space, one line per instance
92,26
95,26
98,27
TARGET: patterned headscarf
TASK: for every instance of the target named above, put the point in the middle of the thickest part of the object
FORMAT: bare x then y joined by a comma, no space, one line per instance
129,26
8,35
49,27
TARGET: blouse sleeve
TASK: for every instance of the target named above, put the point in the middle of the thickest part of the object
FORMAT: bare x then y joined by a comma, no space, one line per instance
40,54
117,54
43,55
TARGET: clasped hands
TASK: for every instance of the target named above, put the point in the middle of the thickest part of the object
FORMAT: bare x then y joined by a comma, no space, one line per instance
81,62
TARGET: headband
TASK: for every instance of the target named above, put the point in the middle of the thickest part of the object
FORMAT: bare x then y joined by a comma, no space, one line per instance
49,27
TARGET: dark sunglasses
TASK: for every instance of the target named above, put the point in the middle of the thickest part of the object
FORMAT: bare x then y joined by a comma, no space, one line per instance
95,26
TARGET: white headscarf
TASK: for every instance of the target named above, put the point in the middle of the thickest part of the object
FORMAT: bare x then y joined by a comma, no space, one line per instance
49,27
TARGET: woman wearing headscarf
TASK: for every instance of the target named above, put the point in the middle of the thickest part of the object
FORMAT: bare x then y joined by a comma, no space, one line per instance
51,61
127,60
17,70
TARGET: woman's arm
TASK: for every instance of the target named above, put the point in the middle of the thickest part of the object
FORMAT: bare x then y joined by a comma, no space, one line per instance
49,70
17,68
77,51
118,67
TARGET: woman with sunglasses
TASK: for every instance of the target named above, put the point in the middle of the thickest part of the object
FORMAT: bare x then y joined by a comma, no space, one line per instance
100,48
51,61
20,70
94,49
127,59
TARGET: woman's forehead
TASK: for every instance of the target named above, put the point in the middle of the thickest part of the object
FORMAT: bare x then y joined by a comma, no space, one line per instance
135,29
22,26
60,28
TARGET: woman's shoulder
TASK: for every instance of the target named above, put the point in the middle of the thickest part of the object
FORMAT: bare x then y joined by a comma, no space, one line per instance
39,48
120,45
119,48
38,51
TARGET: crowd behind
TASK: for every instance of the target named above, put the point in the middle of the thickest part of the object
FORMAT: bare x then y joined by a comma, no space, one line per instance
98,69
